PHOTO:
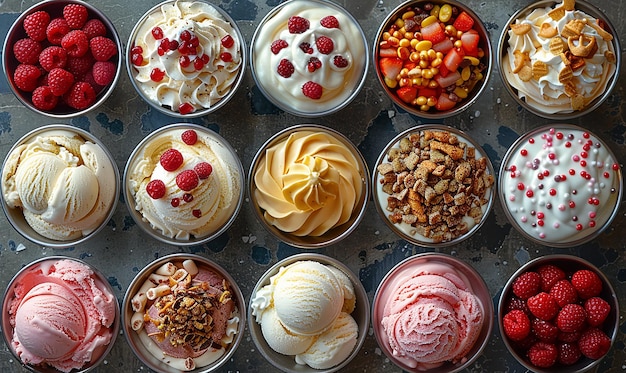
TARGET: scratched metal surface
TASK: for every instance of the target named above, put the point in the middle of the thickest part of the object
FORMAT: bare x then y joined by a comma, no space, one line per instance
246,250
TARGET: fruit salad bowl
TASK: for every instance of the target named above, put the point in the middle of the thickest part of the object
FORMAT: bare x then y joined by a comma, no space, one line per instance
62,59
433,58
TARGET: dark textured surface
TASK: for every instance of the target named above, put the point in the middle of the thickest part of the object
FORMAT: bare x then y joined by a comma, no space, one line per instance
246,250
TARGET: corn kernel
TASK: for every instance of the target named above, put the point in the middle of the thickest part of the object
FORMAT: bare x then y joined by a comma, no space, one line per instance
409,35
440,55
436,62
434,70
445,13
386,35
459,34
473,60
457,43
421,100
396,34
424,108
414,57
424,64
432,101
403,53
423,55
479,76
391,83
405,43
461,92
465,73
414,43
404,72
409,14
415,72
393,41
399,22
405,82
423,45
425,82
433,84
432,54
435,11
450,30
428,74
417,81
429,21
459,81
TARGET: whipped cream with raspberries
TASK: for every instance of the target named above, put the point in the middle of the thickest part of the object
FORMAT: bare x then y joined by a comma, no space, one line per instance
186,56
560,184
309,56
186,183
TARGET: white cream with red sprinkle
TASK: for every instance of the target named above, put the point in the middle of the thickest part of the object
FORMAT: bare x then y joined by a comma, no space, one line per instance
186,56
321,65
560,184
191,197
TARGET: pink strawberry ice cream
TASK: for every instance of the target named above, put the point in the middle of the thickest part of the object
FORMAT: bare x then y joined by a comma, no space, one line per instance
62,315
430,316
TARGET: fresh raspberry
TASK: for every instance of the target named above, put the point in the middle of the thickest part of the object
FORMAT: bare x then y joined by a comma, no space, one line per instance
44,99
187,180
587,283
79,66
340,62
75,15
156,189
171,159
94,27
186,108
75,43
103,72
569,337
527,284
515,303
35,25
189,137
203,169
594,343
571,318
312,90
314,64
175,202
544,330
329,22
306,47
568,353
277,45
549,274
27,51
25,77
52,57
102,48
56,30
597,310
88,78
80,96
543,354
285,68
325,44
60,81
297,24
516,325
564,293
543,306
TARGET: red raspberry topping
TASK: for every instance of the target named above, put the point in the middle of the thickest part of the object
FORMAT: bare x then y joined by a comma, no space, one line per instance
52,57
103,72
198,64
79,66
297,24
516,325
340,62
227,41
44,99
543,306
75,43
187,180
25,77
594,343
544,330
60,81
564,293
571,318
568,353
102,48
56,30
329,22
549,273
197,213
171,159
184,61
306,47
203,169
186,108
312,90
156,75
157,33
156,189
324,44
80,96
226,57
94,27
543,354
526,285
586,283
597,310
35,25
277,45
27,51
189,137
187,197
175,202
285,68
314,64
75,15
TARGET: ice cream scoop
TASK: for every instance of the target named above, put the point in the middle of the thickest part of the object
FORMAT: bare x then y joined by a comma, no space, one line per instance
62,314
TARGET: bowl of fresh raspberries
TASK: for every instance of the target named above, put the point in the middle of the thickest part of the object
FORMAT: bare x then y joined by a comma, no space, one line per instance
558,313
62,58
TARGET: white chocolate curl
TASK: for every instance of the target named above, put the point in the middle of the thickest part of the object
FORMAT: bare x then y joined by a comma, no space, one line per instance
190,266
166,269
136,321
159,291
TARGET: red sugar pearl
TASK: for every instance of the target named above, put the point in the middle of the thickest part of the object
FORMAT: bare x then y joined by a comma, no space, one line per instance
520,186
584,154
592,224
552,156
583,163
568,144
615,167
571,204
529,193
572,171
175,202
197,213
559,135
586,135
531,140
553,192
540,215
606,175
579,227
540,223
524,152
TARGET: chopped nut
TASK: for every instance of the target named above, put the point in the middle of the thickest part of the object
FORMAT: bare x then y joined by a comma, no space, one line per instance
547,31
578,102
519,60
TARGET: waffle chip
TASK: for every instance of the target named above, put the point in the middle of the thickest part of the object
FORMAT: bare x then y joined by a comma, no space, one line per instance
566,74
520,28
557,13
578,102
569,4
520,59
526,73
610,56
547,31
557,45
585,47
573,28
570,89
539,69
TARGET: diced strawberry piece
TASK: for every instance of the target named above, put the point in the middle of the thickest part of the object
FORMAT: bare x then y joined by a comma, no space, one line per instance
434,33
444,102
407,94
463,22
427,92
443,46
448,80
453,59
470,41
443,70
390,67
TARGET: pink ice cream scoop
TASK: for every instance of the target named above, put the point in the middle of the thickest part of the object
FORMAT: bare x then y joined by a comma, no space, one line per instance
431,317
62,315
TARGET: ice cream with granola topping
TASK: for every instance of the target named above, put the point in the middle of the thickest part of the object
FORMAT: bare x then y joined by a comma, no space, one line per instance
186,183
560,184
186,56
308,183
309,56
559,59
